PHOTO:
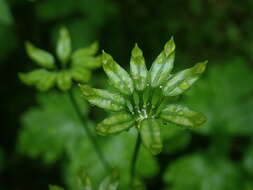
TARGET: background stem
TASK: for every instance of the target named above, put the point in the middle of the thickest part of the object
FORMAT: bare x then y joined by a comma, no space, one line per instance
88,131
134,159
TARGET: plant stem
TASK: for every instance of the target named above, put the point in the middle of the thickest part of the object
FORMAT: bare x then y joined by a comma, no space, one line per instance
88,131
134,159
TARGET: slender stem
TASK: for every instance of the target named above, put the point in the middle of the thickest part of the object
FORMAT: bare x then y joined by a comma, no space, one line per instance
134,159
91,137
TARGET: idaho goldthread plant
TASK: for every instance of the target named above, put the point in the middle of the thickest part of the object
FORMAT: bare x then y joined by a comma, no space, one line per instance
145,99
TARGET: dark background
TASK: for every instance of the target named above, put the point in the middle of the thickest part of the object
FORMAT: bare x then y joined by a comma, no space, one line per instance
216,30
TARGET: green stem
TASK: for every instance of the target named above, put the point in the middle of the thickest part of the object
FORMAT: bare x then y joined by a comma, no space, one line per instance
134,159
88,131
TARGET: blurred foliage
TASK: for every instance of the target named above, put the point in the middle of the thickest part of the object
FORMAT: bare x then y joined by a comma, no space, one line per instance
225,96
63,133
110,182
200,171
217,156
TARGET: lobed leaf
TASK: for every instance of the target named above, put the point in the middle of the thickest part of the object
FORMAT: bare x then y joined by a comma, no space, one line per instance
64,80
103,99
150,135
117,75
116,123
163,65
183,80
182,115
63,48
138,69
39,56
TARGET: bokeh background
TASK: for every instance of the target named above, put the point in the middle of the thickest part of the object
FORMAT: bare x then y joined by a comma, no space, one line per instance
40,142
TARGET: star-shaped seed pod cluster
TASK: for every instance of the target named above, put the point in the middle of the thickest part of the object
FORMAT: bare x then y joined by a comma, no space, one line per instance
63,69
145,99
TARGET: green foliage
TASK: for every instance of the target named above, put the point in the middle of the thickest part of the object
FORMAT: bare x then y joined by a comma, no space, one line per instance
144,99
200,171
39,56
84,183
228,88
63,48
217,30
59,128
71,68
59,133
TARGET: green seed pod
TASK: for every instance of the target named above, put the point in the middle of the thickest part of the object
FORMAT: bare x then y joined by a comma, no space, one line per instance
183,80
182,115
163,65
138,69
103,99
150,135
117,75
115,123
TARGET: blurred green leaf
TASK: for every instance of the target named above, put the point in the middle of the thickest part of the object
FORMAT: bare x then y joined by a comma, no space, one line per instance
39,56
50,127
224,96
84,57
64,81
42,78
63,48
58,130
80,75
175,139
200,171
118,149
